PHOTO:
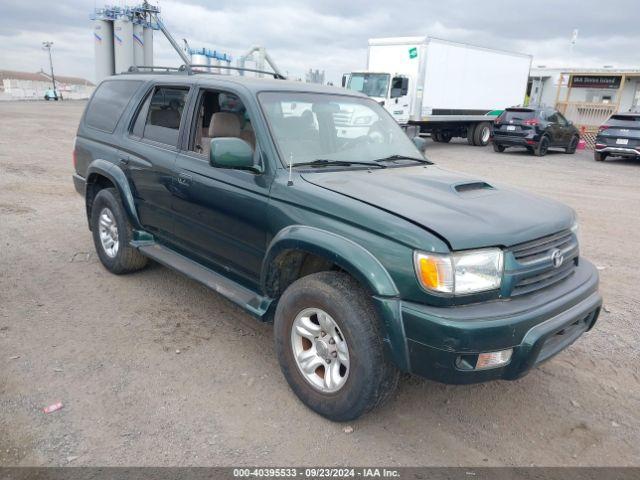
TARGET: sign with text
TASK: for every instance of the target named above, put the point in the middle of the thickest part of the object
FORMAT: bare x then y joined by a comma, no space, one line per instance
596,81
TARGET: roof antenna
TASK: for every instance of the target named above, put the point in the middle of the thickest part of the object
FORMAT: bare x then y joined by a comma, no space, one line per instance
290,182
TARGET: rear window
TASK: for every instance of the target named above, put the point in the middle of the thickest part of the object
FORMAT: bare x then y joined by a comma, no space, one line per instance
108,103
517,115
626,118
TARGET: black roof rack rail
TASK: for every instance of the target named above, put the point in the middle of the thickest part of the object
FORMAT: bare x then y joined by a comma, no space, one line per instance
191,70
156,69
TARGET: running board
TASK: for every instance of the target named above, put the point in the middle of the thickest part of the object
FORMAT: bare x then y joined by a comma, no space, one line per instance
248,299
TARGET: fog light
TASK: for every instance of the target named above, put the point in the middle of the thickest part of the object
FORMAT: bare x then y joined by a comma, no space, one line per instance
493,359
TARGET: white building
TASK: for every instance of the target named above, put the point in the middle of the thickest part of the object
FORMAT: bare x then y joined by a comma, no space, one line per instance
32,86
587,97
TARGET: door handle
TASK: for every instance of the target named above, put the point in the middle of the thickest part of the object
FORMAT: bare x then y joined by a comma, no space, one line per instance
184,179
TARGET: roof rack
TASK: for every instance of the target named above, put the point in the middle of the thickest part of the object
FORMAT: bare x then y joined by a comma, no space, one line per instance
156,69
191,70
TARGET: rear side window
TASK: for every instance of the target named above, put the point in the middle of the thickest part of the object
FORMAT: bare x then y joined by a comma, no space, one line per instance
108,103
159,118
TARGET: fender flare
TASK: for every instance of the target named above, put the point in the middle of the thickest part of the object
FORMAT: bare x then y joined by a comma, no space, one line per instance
115,174
347,254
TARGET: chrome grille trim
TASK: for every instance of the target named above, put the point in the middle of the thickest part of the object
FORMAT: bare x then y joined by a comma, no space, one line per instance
535,267
534,250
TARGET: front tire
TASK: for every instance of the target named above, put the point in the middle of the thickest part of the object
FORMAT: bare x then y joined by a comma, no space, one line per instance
330,347
573,145
112,234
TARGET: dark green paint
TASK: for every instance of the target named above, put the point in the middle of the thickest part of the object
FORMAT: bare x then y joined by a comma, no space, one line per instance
231,153
237,220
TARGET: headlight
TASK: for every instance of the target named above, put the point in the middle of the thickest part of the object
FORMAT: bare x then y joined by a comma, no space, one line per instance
575,228
460,273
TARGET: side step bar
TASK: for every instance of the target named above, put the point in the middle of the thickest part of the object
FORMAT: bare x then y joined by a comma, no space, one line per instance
248,299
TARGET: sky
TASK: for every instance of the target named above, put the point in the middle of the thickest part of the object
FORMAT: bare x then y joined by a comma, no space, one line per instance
331,35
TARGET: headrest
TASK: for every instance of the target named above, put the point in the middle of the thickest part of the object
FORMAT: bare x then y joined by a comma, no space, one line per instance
224,124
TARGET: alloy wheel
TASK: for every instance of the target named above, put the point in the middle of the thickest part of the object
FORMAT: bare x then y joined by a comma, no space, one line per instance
320,350
108,230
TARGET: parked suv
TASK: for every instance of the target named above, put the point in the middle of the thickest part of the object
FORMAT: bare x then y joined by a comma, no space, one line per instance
536,128
369,259
619,137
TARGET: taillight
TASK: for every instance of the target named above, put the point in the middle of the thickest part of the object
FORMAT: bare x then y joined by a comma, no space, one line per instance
74,155
531,122
500,118
603,128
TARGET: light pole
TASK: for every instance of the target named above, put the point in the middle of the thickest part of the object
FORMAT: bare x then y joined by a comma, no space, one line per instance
47,46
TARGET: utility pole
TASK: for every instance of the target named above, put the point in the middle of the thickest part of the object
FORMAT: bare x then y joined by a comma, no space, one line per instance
47,46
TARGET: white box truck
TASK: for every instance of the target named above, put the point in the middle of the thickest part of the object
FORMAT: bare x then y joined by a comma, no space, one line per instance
444,88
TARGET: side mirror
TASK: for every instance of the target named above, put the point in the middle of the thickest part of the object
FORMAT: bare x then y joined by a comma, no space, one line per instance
231,152
420,143
399,87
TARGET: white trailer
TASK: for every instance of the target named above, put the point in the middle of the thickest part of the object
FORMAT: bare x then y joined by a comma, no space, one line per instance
444,88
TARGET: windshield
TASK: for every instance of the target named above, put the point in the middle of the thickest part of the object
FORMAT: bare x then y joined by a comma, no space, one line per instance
371,84
311,126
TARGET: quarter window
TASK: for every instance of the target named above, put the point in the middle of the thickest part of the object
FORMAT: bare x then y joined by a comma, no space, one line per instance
108,103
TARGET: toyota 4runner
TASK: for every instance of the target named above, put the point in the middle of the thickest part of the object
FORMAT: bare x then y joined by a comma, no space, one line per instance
308,206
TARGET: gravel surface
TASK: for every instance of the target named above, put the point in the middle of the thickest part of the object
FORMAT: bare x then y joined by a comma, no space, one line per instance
154,369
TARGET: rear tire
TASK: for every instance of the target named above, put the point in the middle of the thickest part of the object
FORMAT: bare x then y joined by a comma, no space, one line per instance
471,133
482,134
498,148
112,233
369,377
573,145
542,148
436,137
599,157
445,137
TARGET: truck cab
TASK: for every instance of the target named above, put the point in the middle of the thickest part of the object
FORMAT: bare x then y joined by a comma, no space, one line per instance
390,91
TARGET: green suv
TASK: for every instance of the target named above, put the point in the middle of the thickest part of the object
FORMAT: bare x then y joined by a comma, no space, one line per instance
310,208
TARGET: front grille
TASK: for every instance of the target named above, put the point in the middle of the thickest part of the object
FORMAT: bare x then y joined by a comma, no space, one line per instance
543,280
542,247
535,266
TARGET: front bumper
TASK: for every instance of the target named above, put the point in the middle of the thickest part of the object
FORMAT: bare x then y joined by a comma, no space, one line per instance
441,343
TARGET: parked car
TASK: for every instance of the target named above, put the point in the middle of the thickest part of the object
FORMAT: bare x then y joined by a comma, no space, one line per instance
619,137
535,128
368,258
52,95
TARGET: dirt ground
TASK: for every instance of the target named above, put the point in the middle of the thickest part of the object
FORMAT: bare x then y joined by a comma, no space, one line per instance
107,346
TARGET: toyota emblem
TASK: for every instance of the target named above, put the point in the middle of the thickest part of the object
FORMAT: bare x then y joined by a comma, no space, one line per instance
557,258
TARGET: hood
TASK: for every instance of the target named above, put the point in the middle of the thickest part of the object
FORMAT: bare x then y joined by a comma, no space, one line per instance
465,211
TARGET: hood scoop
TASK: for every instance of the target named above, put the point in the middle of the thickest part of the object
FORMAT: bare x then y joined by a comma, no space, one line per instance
472,187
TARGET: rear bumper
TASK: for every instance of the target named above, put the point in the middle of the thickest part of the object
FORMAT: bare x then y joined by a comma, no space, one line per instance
79,183
507,141
619,151
442,344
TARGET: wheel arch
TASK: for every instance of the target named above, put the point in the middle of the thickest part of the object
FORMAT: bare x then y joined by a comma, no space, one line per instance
103,174
334,249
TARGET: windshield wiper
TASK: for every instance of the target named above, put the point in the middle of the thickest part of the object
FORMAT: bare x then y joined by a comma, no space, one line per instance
391,158
323,162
